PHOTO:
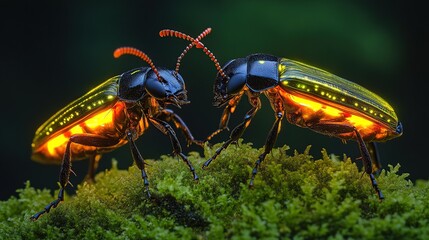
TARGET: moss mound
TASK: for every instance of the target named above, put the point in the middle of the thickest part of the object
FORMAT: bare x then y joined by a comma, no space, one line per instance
295,196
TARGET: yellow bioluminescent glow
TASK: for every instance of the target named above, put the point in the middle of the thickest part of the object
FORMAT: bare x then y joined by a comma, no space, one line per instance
60,140
98,120
332,112
315,106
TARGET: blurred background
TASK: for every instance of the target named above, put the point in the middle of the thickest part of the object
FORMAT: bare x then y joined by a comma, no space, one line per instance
55,51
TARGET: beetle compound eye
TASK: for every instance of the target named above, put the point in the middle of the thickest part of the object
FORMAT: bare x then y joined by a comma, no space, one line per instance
155,88
236,71
236,83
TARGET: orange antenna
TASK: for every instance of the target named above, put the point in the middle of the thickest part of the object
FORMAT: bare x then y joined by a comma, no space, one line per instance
213,58
174,33
134,51
195,42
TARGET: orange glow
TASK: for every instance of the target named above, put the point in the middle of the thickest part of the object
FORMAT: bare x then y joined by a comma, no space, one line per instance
60,140
98,120
315,106
332,112
360,122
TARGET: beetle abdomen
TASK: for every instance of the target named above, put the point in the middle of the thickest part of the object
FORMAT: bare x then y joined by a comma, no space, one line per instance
91,113
329,88
108,122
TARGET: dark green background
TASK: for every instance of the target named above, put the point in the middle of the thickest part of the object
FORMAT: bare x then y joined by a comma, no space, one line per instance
53,52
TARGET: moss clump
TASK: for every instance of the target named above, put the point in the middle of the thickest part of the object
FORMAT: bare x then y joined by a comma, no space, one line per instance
295,196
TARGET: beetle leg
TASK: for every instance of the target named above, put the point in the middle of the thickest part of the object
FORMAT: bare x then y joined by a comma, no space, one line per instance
335,128
138,159
224,119
169,115
84,139
366,158
223,124
375,157
238,131
269,143
166,129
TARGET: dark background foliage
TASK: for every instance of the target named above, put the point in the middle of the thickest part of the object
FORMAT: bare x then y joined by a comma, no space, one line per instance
55,51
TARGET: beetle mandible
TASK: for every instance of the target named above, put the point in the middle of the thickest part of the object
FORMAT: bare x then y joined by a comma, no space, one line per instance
114,113
308,97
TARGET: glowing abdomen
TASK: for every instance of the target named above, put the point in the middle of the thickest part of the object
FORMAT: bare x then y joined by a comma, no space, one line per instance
108,123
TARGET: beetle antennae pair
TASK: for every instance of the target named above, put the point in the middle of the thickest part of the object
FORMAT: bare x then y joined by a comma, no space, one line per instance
195,42
163,33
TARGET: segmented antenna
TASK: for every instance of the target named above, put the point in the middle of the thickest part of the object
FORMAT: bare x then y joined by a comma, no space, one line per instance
213,58
174,33
134,51
195,42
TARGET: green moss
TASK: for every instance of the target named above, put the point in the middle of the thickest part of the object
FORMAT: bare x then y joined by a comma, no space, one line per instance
295,196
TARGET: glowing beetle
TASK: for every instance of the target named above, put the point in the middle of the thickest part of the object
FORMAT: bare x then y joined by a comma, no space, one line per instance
114,113
308,97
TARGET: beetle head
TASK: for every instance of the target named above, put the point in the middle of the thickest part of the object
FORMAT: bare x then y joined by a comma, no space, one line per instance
399,129
231,83
168,88
164,85
135,84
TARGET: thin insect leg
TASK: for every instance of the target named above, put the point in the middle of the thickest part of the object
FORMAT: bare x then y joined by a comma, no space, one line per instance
223,124
138,159
238,131
64,179
375,157
366,159
84,139
169,115
166,129
365,154
271,139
